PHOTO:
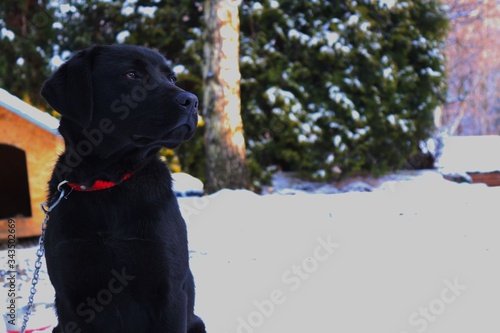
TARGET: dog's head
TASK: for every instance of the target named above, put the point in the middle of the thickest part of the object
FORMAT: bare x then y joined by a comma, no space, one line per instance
121,94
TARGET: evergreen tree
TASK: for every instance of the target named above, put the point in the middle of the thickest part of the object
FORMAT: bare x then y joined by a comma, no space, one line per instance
336,89
327,89
26,47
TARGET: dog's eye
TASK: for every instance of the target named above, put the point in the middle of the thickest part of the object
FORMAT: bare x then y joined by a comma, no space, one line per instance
173,79
132,75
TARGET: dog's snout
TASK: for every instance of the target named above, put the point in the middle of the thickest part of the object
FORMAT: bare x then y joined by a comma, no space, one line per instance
187,100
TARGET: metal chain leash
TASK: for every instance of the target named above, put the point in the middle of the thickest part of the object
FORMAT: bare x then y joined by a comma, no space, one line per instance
39,254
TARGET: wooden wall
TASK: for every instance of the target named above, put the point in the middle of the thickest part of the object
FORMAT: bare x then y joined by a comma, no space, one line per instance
41,148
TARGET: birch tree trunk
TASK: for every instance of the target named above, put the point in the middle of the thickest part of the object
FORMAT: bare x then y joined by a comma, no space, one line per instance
224,140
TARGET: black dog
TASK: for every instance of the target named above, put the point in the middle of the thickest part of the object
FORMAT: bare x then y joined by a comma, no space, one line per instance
116,247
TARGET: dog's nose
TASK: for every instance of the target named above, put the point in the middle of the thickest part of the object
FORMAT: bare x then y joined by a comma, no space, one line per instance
187,100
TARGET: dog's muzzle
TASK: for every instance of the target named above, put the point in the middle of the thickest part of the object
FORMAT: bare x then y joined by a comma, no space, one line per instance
186,108
188,119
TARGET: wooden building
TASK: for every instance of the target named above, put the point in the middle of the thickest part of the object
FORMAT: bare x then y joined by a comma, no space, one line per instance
29,146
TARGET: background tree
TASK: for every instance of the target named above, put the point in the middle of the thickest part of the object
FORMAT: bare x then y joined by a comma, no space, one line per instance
332,90
224,140
473,66
26,38
326,90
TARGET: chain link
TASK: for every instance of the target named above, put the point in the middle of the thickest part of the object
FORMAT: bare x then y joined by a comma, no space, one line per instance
38,263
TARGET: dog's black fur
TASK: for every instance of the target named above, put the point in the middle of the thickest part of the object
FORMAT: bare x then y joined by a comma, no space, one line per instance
118,257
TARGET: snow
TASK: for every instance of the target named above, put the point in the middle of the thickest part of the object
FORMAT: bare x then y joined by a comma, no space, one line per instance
392,119
257,7
57,26
184,185
421,42
361,131
387,72
295,34
246,60
337,140
326,49
403,124
179,69
386,3
353,82
309,138
355,115
353,20
56,61
417,253
66,8
343,48
122,36
127,10
340,97
430,72
470,154
364,27
28,112
148,11
6,33
274,93
412,246
331,37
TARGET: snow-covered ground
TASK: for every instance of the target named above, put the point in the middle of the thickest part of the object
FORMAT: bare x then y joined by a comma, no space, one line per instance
417,254
413,256
470,154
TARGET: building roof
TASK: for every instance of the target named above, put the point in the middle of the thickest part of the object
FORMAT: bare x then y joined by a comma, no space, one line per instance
28,112
471,154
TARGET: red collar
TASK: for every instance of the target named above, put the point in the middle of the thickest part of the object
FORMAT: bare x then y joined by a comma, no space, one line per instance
98,184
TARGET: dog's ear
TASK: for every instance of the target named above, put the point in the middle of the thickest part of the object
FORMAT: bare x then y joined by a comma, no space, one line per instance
69,89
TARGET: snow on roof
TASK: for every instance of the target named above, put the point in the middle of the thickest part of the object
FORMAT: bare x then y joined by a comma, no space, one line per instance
28,112
470,154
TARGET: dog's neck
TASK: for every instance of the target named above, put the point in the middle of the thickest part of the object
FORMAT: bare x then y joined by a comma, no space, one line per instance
112,169
98,185
105,159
